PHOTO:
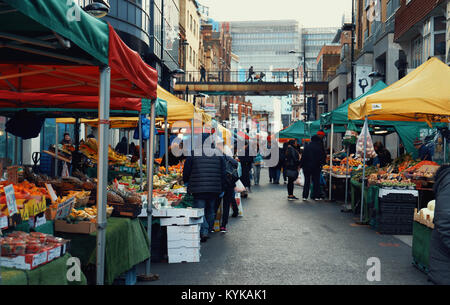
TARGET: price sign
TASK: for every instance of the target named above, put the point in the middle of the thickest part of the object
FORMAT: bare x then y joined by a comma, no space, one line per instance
10,199
65,208
3,222
51,192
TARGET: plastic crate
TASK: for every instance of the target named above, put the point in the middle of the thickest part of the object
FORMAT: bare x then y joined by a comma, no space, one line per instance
395,229
398,197
46,165
394,219
397,208
126,210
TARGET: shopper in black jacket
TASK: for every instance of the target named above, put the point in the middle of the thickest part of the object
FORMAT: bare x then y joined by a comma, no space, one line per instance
291,167
440,238
313,158
205,177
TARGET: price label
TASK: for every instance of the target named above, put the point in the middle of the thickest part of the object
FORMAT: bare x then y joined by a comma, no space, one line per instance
10,199
54,253
3,222
65,208
51,192
39,259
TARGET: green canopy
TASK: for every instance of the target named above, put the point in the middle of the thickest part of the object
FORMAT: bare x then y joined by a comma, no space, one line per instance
34,19
296,130
300,130
339,116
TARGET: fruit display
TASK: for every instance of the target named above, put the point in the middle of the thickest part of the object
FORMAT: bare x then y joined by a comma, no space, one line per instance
90,149
21,243
23,190
86,214
422,170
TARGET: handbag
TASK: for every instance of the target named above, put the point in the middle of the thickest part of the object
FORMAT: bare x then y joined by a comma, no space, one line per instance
291,173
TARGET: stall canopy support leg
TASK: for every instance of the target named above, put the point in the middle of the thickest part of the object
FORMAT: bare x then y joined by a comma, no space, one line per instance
102,170
166,143
56,149
148,276
331,159
140,151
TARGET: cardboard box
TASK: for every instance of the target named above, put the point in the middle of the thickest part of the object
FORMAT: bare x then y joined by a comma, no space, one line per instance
185,212
25,262
183,236
183,243
181,221
183,229
82,227
188,256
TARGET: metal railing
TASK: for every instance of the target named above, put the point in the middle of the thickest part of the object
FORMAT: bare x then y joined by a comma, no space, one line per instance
292,76
238,77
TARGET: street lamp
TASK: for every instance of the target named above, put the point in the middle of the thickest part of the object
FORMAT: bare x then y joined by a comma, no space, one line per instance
98,8
304,76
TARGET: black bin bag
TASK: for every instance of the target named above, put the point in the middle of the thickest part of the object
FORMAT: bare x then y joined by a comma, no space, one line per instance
25,124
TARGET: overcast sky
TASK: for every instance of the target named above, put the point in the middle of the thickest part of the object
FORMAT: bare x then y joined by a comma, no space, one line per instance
310,13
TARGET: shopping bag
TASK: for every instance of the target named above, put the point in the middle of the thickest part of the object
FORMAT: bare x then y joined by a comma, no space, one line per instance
239,187
370,151
237,197
300,180
65,170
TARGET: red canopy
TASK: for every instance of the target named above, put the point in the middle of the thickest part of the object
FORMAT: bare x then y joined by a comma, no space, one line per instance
130,75
10,99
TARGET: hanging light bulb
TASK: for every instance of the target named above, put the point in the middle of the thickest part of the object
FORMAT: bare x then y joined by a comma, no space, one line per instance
98,8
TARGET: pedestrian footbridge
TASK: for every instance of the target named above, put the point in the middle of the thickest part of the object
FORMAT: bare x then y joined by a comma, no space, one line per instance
269,83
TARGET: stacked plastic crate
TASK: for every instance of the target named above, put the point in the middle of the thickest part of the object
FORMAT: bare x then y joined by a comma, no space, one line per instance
183,233
396,211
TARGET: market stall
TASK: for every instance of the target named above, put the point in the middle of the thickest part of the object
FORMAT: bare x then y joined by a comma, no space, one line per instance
90,61
419,96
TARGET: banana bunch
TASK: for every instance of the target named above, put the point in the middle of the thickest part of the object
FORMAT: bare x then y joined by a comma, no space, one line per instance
116,157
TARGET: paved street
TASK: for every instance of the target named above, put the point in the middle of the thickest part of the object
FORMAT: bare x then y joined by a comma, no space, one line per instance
293,242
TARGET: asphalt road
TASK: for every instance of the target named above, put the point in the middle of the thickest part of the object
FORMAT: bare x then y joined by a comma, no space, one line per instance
281,242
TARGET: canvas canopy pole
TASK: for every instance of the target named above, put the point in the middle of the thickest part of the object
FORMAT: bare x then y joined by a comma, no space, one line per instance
102,174
140,150
166,142
331,157
56,150
150,161
364,168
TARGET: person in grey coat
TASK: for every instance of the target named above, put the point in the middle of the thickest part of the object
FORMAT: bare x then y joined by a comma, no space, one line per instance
440,238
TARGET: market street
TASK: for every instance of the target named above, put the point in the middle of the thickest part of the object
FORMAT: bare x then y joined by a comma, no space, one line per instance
292,242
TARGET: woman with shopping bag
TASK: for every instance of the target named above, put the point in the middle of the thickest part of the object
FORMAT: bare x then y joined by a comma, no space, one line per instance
291,167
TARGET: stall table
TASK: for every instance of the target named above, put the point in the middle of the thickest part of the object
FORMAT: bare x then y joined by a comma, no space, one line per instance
127,245
53,273
338,183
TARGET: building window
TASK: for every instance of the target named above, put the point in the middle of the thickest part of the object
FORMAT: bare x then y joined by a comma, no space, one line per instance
427,38
434,37
417,52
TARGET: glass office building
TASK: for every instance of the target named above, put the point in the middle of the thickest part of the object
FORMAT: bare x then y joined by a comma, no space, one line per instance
313,40
266,44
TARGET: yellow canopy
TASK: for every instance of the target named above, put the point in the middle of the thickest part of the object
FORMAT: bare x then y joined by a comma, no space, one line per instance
177,109
422,95
115,122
